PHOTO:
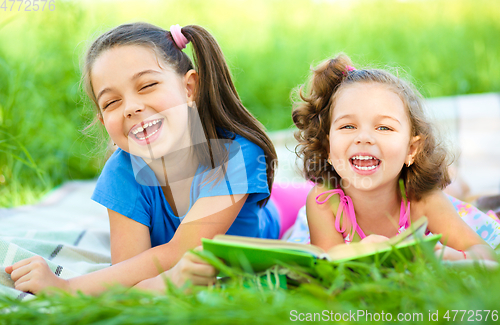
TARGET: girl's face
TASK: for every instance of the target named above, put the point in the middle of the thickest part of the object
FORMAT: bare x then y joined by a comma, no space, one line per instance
143,105
370,136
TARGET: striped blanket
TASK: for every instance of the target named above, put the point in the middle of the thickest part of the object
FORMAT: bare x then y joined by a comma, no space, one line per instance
66,228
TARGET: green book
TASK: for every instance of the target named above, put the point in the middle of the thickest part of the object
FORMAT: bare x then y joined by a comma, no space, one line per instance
258,254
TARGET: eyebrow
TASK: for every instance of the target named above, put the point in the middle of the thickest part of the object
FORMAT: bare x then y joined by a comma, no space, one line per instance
389,117
134,77
139,74
342,117
380,116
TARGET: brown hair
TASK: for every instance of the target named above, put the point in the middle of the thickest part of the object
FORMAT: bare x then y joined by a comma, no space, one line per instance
312,116
217,102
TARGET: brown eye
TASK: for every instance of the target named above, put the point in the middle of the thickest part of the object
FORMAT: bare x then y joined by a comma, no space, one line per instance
150,85
106,106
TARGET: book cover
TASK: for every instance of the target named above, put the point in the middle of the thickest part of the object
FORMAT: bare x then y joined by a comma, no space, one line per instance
256,254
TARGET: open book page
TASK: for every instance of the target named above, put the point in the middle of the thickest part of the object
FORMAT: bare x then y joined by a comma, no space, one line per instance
353,250
270,244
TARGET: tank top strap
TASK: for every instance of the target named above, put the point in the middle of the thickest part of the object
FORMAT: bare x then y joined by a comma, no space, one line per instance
349,223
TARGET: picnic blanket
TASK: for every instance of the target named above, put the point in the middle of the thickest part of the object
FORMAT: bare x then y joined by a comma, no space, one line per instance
66,228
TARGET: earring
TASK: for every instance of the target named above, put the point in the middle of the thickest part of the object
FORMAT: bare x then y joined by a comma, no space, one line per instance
329,161
408,164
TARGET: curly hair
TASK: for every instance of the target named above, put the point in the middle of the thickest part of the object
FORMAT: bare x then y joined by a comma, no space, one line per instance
312,115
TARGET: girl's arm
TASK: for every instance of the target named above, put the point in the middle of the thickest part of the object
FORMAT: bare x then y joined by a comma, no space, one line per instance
190,268
321,221
128,237
457,235
205,219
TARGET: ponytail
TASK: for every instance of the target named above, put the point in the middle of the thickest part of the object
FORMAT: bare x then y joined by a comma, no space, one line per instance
219,105
312,115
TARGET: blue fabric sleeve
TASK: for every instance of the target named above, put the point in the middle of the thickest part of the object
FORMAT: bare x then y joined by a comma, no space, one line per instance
244,172
128,191
118,190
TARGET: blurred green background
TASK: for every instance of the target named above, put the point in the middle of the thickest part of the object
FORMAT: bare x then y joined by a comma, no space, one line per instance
447,47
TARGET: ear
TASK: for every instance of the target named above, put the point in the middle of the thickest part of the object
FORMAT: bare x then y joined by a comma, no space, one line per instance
191,83
413,149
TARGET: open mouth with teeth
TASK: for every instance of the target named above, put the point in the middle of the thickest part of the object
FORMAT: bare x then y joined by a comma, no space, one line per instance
365,163
147,129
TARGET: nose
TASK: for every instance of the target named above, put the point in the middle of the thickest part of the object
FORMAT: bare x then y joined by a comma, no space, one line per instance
132,108
364,137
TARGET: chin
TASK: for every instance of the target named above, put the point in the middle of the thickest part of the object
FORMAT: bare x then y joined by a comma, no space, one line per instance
361,183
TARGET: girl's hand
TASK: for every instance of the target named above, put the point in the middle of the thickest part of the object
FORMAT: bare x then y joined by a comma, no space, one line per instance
476,252
370,239
448,253
190,268
33,275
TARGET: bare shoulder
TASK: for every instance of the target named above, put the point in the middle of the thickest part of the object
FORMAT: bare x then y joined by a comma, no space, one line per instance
434,203
315,191
311,204
433,199
321,220
317,212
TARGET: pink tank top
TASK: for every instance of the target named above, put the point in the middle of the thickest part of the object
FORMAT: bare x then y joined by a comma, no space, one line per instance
349,224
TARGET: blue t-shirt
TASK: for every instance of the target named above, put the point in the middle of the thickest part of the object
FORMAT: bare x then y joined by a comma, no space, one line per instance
128,186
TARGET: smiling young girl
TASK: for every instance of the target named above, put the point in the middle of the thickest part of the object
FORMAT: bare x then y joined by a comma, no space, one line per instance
360,133
191,162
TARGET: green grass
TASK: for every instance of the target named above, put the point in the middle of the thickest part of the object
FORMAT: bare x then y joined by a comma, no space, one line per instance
448,47
415,289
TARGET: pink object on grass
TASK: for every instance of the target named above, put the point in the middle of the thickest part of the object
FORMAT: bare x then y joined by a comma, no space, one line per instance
289,198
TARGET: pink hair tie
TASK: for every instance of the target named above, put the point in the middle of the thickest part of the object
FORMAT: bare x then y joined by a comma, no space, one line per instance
180,40
349,69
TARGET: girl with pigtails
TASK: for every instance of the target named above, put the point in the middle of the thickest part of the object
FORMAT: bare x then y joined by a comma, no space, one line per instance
375,162
191,161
